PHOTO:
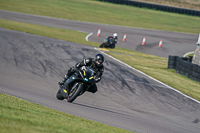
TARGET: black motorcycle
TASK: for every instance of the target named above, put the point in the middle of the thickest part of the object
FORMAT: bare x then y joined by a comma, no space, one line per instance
108,44
76,84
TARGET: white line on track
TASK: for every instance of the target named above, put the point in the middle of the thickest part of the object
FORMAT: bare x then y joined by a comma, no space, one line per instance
148,76
188,53
86,38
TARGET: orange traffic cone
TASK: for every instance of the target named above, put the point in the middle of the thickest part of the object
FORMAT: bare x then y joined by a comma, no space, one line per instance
99,32
143,41
160,43
124,38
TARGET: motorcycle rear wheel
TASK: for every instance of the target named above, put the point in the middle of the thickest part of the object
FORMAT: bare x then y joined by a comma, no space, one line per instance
113,46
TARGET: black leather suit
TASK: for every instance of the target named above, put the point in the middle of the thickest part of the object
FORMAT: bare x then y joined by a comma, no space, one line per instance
112,41
89,62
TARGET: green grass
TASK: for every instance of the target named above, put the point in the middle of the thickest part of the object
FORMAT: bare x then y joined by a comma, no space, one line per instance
190,55
107,13
20,116
68,35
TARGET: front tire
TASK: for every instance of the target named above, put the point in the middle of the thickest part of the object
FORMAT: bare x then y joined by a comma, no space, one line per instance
59,95
102,45
75,91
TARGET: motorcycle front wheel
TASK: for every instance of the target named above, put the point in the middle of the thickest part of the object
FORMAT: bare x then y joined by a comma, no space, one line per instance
59,95
102,45
113,46
74,92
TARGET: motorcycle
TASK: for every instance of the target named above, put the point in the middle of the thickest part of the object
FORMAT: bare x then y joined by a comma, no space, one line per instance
76,84
108,44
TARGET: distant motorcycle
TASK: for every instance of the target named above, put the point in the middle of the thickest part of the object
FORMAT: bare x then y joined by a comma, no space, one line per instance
76,84
108,44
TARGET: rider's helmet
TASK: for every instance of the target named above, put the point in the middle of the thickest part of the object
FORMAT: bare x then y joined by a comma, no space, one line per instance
115,35
99,59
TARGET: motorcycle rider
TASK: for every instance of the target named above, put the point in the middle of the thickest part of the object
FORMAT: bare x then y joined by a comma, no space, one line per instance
95,63
112,40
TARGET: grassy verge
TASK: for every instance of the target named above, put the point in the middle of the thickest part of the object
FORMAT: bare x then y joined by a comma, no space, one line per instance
20,116
68,35
107,13
190,55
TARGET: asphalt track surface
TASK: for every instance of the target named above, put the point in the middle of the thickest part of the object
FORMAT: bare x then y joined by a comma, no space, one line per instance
172,43
32,65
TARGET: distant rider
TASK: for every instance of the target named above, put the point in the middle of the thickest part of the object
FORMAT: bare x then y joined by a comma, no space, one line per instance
112,40
95,63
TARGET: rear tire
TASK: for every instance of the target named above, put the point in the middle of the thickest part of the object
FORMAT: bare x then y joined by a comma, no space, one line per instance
59,95
113,46
74,93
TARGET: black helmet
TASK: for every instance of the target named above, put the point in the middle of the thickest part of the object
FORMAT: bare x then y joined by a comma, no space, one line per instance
99,59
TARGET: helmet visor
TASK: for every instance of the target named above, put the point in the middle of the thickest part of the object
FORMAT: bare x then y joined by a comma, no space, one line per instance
99,62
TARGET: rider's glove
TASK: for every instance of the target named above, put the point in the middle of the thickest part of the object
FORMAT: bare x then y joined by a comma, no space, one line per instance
97,79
